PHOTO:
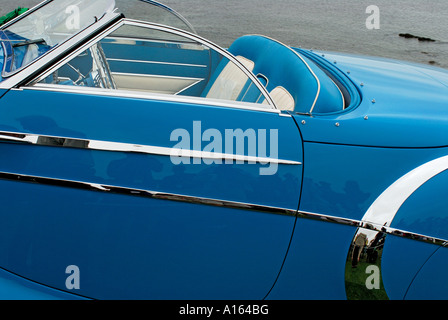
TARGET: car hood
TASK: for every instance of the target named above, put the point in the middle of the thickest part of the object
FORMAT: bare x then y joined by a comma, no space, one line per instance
402,105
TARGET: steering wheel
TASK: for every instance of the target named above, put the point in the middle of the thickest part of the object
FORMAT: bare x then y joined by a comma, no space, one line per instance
100,68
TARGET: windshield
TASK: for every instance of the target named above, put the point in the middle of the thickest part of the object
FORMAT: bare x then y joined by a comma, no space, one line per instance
43,28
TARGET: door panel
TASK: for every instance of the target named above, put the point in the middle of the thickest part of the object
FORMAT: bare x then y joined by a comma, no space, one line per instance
69,204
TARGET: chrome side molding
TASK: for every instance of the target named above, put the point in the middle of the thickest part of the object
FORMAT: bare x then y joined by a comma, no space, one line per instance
57,141
143,193
221,203
367,245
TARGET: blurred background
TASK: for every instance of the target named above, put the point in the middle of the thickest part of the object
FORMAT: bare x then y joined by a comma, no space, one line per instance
330,25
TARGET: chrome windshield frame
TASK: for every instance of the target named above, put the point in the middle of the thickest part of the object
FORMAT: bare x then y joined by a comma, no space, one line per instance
179,32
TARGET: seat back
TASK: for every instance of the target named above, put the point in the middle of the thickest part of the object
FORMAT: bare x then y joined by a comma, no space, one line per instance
294,82
228,81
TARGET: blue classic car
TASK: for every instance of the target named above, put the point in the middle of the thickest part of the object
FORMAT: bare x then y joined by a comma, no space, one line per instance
142,161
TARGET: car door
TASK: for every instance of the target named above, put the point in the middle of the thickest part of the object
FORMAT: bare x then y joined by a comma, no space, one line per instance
116,193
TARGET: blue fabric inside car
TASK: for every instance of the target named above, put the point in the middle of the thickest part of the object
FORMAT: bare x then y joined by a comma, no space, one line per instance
283,67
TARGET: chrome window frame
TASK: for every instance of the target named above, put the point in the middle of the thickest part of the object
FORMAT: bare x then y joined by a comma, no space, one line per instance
178,32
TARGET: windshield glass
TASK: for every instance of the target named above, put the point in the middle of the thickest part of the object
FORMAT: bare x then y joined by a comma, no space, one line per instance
46,27
152,11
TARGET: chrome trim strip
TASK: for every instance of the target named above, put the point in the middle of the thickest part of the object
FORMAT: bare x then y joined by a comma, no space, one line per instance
371,234
154,76
386,206
328,218
373,227
152,96
260,75
342,95
188,87
159,62
56,141
121,39
222,203
144,193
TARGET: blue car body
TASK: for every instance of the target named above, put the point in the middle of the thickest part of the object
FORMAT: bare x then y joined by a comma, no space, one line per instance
141,161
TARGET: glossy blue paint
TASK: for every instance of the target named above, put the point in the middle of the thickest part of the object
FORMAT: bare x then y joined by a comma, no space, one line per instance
13,287
345,184
431,283
145,123
206,252
401,262
425,211
344,181
315,266
368,128
135,248
409,107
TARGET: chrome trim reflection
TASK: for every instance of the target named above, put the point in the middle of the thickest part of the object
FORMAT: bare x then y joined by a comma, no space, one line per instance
158,62
152,96
154,76
221,203
328,218
376,225
386,206
144,193
57,141
365,252
372,228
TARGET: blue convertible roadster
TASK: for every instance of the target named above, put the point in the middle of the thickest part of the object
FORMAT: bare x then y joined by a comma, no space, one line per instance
142,161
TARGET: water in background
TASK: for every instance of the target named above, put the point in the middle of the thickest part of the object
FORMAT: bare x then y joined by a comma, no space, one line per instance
331,25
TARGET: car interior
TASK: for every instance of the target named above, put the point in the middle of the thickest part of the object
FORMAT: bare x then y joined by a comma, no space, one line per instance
153,61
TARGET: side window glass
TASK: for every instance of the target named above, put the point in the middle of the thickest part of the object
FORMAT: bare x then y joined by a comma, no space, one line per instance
143,59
